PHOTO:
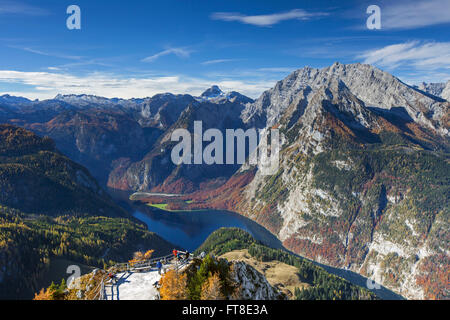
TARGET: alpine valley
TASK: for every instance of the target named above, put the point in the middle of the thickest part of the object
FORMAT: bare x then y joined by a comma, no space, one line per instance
363,182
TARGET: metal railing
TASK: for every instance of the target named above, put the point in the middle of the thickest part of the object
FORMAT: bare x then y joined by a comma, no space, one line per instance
137,266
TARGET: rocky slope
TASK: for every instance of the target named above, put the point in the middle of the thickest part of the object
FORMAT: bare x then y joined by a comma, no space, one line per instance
364,177
252,284
158,173
434,89
111,134
446,92
96,137
280,275
371,85
97,131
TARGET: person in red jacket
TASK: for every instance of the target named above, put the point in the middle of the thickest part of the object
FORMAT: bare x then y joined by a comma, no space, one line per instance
175,253
112,277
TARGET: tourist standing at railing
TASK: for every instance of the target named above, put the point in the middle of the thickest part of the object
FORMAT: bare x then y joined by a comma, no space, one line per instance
175,253
112,277
159,266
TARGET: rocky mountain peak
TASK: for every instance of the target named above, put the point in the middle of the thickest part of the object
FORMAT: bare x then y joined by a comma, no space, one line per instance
369,84
216,95
212,92
234,96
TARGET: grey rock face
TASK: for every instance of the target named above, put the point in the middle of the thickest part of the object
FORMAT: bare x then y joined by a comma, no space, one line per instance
434,89
446,92
253,285
338,110
374,87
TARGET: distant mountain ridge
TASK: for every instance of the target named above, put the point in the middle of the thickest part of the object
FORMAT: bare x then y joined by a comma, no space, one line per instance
436,89
103,133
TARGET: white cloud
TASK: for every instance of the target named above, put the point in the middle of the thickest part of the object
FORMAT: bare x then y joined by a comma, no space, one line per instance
179,52
415,14
430,77
47,54
266,20
17,7
278,69
217,61
46,85
415,54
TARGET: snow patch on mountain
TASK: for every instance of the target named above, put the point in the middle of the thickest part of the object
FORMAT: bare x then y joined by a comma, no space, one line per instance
434,89
446,92
216,95
14,101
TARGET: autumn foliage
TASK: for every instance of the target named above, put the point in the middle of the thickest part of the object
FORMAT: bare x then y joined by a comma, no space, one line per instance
141,257
43,295
173,286
54,292
211,289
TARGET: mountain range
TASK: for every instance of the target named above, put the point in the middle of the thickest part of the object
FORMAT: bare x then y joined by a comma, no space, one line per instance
363,181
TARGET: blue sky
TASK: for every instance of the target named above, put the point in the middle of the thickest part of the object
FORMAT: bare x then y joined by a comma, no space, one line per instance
139,48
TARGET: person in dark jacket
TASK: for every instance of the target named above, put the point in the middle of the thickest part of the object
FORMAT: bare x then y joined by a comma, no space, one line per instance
159,266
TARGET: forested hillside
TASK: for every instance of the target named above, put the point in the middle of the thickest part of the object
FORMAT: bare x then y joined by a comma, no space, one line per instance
36,178
321,284
50,207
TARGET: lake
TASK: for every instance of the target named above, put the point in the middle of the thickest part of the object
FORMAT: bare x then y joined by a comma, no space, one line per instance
189,229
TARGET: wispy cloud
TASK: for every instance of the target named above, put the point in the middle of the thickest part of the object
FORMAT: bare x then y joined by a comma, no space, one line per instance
430,55
218,61
18,7
278,69
179,52
415,14
268,19
76,61
430,77
47,54
48,84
